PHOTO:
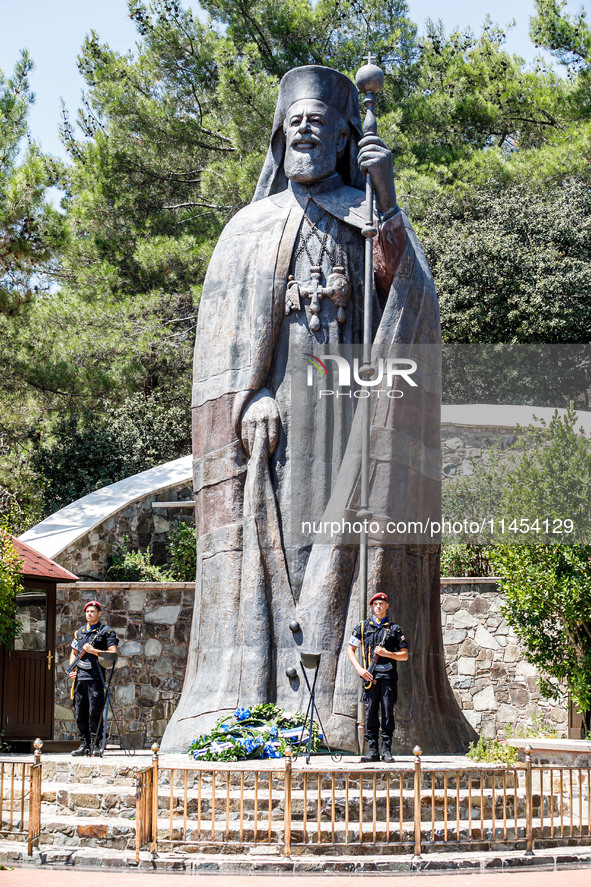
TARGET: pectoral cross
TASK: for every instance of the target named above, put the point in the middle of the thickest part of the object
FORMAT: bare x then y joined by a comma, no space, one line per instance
337,289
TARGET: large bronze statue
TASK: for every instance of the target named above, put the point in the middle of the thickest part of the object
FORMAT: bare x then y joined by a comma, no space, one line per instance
287,279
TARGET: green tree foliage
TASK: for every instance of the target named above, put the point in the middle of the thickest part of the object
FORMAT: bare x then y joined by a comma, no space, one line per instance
10,586
568,37
513,264
546,572
548,605
289,33
129,565
474,115
135,566
541,482
31,237
168,145
551,476
471,94
29,228
89,452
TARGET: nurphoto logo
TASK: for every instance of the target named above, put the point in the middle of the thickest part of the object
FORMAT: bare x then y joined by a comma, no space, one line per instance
384,374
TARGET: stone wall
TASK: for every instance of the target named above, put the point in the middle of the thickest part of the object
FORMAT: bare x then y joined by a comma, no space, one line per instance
153,624
493,683
461,444
146,528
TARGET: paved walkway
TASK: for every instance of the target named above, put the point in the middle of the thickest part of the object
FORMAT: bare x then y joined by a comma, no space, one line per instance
63,878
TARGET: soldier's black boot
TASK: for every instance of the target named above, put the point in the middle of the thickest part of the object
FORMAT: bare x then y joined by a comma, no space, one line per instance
371,756
386,752
83,749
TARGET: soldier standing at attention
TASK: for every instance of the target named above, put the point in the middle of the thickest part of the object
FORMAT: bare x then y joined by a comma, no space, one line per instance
89,676
382,645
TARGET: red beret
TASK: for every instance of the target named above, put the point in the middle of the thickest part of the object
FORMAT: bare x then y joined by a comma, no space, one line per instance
380,596
92,604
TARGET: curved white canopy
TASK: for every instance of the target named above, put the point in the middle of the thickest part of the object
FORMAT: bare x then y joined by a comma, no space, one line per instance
64,527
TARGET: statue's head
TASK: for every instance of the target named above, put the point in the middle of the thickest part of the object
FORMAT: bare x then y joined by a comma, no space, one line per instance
316,129
315,137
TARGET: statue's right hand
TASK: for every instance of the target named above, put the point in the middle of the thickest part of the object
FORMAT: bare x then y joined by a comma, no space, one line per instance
261,416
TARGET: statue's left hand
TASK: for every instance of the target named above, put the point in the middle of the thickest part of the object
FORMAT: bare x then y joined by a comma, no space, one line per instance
375,159
262,416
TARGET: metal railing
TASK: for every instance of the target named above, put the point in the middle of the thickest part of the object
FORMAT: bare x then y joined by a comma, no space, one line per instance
413,809
20,792
560,801
146,806
212,806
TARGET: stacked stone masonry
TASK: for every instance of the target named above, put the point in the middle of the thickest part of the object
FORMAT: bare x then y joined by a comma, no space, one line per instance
145,527
490,677
463,446
493,683
153,624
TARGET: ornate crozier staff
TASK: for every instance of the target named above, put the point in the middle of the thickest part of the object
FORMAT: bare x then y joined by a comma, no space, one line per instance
370,81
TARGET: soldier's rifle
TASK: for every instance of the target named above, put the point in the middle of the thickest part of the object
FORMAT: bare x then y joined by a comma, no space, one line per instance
79,662
371,668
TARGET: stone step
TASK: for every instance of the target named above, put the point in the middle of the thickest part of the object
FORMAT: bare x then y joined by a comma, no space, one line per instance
91,770
119,834
64,800
257,861
77,831
115,769
70,798
113,800
384,777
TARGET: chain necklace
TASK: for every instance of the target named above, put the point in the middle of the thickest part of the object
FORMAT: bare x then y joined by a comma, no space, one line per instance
338,286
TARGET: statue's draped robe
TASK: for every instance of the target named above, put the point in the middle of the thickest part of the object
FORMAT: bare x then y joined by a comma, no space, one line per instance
252,580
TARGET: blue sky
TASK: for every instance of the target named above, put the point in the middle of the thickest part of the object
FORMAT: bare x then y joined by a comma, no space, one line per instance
53,31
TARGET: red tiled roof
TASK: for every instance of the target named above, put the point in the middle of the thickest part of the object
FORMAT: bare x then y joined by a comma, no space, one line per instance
41,567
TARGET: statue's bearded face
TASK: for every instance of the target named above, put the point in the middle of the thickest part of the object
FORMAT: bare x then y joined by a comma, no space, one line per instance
315,136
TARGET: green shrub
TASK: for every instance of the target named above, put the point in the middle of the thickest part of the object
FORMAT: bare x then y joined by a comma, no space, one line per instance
135,566
491,751
183,552
465,559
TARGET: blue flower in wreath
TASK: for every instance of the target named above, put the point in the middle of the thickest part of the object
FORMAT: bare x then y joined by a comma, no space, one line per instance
241,714
274,732
271,750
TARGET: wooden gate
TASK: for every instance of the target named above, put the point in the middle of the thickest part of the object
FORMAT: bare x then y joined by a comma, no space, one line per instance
28,680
